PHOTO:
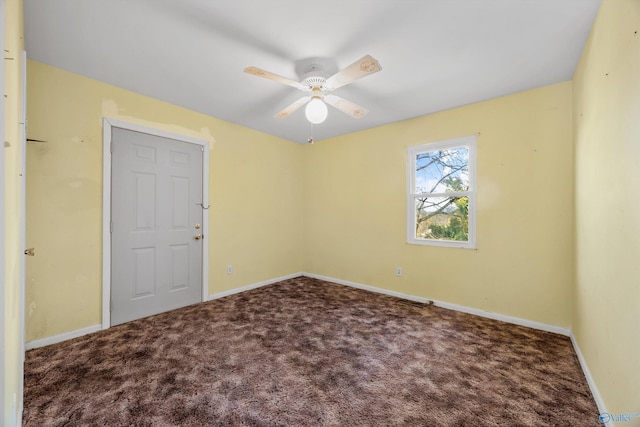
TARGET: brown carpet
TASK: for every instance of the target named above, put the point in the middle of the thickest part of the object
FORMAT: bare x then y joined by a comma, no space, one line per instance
304,352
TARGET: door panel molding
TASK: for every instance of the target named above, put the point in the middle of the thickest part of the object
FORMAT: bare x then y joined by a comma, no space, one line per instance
108,125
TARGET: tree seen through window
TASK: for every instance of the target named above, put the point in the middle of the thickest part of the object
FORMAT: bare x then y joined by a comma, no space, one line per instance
441,196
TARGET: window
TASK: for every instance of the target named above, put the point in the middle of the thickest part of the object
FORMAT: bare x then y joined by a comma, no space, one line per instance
441,198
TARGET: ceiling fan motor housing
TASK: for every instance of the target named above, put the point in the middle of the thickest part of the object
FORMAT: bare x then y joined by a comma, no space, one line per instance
314,82
314,77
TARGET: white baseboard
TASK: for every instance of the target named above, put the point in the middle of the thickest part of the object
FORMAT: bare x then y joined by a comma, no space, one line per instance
509,319
253,286
62,337
95,328
590,380
504,318
367,287
450,306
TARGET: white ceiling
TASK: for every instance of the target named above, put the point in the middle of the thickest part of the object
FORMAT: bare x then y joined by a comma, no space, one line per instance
435,54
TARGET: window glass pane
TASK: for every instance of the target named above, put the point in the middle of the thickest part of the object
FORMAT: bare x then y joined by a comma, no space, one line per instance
442,218
442,171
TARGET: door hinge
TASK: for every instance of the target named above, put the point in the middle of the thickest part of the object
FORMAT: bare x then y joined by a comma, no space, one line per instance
111,227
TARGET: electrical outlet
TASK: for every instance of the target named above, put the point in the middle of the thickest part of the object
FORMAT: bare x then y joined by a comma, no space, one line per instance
398,271
229,269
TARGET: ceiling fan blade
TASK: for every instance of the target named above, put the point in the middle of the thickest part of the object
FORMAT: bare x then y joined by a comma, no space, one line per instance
362,67
293,107
345,106
270,76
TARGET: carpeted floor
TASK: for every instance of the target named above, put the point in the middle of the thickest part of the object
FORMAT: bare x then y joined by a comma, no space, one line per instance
303,352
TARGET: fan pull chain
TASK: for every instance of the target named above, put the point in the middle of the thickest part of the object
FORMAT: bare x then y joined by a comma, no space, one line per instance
310,139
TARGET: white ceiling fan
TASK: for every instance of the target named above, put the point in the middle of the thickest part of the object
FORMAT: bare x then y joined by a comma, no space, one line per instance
318,84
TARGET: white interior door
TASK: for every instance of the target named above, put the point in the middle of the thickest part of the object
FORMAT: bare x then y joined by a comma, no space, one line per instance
156,220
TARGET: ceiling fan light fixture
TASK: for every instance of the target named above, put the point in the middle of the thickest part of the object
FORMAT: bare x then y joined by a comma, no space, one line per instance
316,111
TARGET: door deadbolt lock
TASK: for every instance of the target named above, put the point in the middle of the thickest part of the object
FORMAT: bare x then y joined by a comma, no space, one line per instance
197,226
198,236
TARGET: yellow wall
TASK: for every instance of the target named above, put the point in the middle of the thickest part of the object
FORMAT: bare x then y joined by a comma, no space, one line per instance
338,203
11,347
606,320
355,189
256,184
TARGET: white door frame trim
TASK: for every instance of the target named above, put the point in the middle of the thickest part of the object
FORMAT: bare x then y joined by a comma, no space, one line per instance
3,285
108,124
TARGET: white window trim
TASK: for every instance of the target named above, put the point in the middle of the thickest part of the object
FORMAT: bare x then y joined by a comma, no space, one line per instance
412,152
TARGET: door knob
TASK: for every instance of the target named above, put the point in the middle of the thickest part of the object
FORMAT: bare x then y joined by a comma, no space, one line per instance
198,236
